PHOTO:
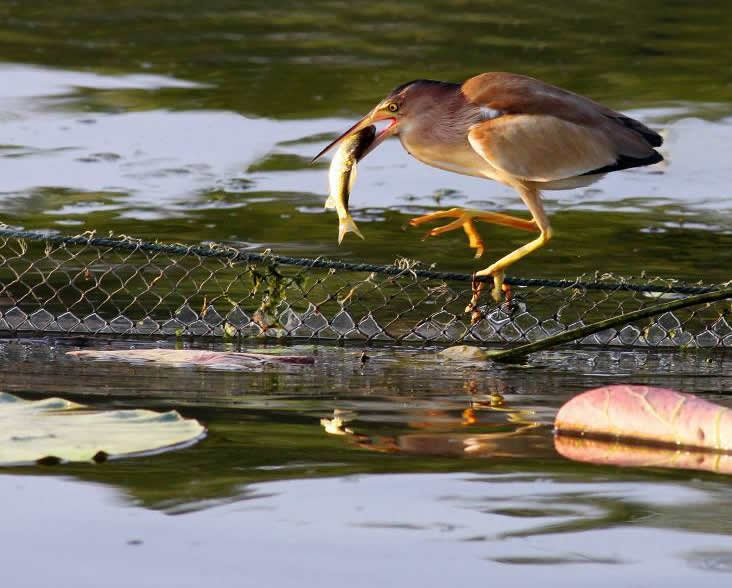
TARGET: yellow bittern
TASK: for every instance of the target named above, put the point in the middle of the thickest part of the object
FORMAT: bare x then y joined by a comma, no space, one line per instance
516,130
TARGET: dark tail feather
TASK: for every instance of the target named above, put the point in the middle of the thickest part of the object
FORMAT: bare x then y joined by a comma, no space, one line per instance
653,138
624,162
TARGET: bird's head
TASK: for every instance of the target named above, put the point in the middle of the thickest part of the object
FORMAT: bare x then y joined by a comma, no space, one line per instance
397,109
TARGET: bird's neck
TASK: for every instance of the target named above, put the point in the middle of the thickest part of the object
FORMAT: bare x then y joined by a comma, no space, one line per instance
440,139
444,123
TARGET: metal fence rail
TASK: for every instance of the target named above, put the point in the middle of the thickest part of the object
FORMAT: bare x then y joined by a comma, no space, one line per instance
124,286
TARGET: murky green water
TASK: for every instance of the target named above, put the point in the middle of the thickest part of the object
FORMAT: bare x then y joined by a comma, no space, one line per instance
188,122
450,475
195,122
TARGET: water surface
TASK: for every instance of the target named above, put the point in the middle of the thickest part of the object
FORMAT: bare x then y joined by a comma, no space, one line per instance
451,463
195,122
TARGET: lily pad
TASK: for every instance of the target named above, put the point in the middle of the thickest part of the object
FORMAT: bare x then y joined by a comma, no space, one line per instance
55,430
642,414
193,357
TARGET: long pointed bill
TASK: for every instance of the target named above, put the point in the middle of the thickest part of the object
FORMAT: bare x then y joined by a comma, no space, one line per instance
367,120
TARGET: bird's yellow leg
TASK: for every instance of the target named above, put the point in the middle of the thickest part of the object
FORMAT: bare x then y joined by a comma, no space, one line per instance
465,219
466,214
474,239
498,291
499,267
530,196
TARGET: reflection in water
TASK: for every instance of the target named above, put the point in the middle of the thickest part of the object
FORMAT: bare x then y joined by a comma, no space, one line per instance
713,561
439,435
401,411
627,455
456,459
337,425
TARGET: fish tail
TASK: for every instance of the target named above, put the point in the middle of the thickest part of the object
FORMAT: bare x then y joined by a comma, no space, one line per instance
347,225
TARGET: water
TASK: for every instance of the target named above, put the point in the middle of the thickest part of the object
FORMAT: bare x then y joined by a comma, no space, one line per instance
191,123
448,463
195,122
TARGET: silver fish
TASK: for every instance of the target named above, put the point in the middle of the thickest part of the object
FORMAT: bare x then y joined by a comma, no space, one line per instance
342,175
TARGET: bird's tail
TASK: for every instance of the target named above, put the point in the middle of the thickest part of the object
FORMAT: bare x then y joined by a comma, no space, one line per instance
347,225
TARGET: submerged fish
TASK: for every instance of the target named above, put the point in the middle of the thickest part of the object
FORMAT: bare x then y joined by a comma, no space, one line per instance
342,175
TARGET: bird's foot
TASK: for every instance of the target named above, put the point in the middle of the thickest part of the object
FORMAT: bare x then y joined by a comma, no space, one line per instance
499,287
500,292
472,307
464,219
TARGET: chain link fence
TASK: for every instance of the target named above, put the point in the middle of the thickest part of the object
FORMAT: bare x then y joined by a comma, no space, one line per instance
124,286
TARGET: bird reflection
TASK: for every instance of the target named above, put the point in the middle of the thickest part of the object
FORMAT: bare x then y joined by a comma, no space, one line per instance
487,427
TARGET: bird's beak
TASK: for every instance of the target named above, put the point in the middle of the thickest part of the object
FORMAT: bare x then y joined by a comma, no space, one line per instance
369,119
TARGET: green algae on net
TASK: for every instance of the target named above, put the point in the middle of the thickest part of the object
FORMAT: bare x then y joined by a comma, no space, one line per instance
54,430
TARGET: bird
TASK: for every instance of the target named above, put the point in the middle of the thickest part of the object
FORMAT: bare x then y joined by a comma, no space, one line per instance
517,130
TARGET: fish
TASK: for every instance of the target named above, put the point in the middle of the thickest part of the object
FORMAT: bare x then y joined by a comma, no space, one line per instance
342,175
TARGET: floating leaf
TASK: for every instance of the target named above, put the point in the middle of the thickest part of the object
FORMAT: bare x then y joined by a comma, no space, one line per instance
193,357
57,430
648,415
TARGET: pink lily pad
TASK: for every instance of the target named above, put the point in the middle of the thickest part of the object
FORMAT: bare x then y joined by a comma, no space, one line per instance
641,414
193,357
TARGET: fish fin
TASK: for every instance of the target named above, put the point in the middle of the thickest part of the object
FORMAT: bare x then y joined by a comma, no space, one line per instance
347,225
352,179
330,203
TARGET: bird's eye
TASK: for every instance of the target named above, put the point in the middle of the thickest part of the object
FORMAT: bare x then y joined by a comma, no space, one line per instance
392,107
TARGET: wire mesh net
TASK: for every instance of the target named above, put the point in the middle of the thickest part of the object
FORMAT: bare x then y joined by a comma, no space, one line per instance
124,286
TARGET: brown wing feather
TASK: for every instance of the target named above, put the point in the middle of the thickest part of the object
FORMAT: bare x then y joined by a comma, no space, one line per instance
541,148
575,132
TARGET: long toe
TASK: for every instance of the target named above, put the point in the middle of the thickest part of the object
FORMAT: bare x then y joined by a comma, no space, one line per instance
425,218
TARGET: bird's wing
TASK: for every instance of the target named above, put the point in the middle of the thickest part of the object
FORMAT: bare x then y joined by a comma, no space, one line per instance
538,132
540,148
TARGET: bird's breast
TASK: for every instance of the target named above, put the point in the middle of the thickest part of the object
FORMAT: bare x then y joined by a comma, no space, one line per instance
458,157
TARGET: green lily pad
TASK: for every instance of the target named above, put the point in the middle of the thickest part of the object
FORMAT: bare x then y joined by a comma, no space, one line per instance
56,430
